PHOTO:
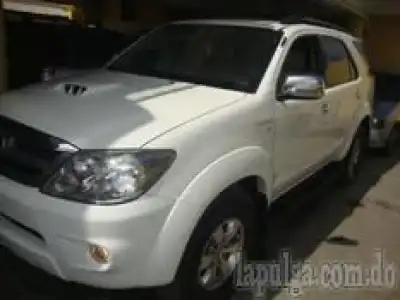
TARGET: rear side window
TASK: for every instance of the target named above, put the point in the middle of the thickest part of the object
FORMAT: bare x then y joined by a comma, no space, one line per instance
340,66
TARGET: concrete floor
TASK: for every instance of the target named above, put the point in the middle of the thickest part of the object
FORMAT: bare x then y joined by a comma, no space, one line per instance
347,225
338,225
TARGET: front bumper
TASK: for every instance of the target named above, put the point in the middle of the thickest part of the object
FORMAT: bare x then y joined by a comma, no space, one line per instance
54,235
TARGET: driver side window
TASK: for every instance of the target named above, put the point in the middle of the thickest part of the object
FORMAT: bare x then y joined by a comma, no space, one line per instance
303,58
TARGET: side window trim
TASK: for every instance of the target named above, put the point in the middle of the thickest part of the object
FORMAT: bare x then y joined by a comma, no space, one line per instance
353,65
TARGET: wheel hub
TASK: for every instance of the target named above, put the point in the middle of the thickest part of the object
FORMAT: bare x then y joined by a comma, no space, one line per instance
221,254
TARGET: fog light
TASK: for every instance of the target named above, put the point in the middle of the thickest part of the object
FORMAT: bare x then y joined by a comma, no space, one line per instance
99,254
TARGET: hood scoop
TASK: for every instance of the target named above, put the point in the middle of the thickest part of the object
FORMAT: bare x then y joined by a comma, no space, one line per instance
73,89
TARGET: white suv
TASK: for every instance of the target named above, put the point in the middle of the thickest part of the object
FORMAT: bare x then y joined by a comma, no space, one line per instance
153,170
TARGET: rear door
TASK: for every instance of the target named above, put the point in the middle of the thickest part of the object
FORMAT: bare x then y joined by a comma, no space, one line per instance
343,90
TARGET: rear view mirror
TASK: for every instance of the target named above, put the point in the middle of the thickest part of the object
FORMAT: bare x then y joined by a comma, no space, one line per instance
302,87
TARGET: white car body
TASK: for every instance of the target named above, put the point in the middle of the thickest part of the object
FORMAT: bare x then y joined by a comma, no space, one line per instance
220,137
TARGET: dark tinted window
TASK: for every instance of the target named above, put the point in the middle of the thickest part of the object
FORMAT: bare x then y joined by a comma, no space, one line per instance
222,56
340,67
304,57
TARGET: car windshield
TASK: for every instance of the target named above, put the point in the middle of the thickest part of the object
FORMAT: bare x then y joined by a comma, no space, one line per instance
229,57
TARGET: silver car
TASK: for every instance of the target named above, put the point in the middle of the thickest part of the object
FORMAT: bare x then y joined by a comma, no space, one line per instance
385,129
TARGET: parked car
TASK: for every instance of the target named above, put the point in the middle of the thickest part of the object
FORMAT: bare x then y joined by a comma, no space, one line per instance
385,131
40,51
73,49
156,170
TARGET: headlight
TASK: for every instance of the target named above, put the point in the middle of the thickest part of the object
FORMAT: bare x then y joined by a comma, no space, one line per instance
109,177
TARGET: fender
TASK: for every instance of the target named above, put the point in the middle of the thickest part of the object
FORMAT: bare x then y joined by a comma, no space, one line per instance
192,203
364,111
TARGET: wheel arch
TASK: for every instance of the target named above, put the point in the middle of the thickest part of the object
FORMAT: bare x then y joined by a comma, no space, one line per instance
364,121
248,168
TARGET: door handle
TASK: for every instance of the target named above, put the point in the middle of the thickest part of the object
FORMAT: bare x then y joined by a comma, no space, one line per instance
325,108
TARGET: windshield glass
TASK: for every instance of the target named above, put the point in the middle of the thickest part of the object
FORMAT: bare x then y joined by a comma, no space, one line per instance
229,57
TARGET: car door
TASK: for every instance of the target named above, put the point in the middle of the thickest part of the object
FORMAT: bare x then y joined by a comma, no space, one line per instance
300,124
342,92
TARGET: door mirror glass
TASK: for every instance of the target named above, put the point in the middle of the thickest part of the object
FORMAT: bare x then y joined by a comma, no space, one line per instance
302,87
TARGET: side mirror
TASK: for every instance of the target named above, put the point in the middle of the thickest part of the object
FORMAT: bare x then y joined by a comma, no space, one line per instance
302,87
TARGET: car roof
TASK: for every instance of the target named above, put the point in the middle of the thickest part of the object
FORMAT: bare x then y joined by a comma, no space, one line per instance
270,24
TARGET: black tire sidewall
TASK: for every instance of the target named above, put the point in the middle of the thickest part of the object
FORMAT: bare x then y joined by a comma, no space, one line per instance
349,177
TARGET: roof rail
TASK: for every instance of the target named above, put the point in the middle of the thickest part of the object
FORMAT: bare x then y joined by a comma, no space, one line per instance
311,21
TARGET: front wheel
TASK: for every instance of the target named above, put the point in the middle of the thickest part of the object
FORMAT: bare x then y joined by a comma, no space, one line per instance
350,165
221,240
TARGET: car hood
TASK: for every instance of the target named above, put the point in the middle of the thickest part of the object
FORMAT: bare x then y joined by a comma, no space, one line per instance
103,109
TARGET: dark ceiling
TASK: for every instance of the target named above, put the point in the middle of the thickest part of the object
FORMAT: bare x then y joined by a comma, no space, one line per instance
260,8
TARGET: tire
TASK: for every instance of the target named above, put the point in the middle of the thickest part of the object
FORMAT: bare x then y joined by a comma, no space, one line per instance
232,209
350,165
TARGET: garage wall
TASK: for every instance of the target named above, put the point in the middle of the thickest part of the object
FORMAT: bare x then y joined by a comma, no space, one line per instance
357,26
2,52
109,13
383,44
144,14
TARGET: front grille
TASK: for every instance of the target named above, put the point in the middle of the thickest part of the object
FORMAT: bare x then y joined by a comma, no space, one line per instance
27,155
